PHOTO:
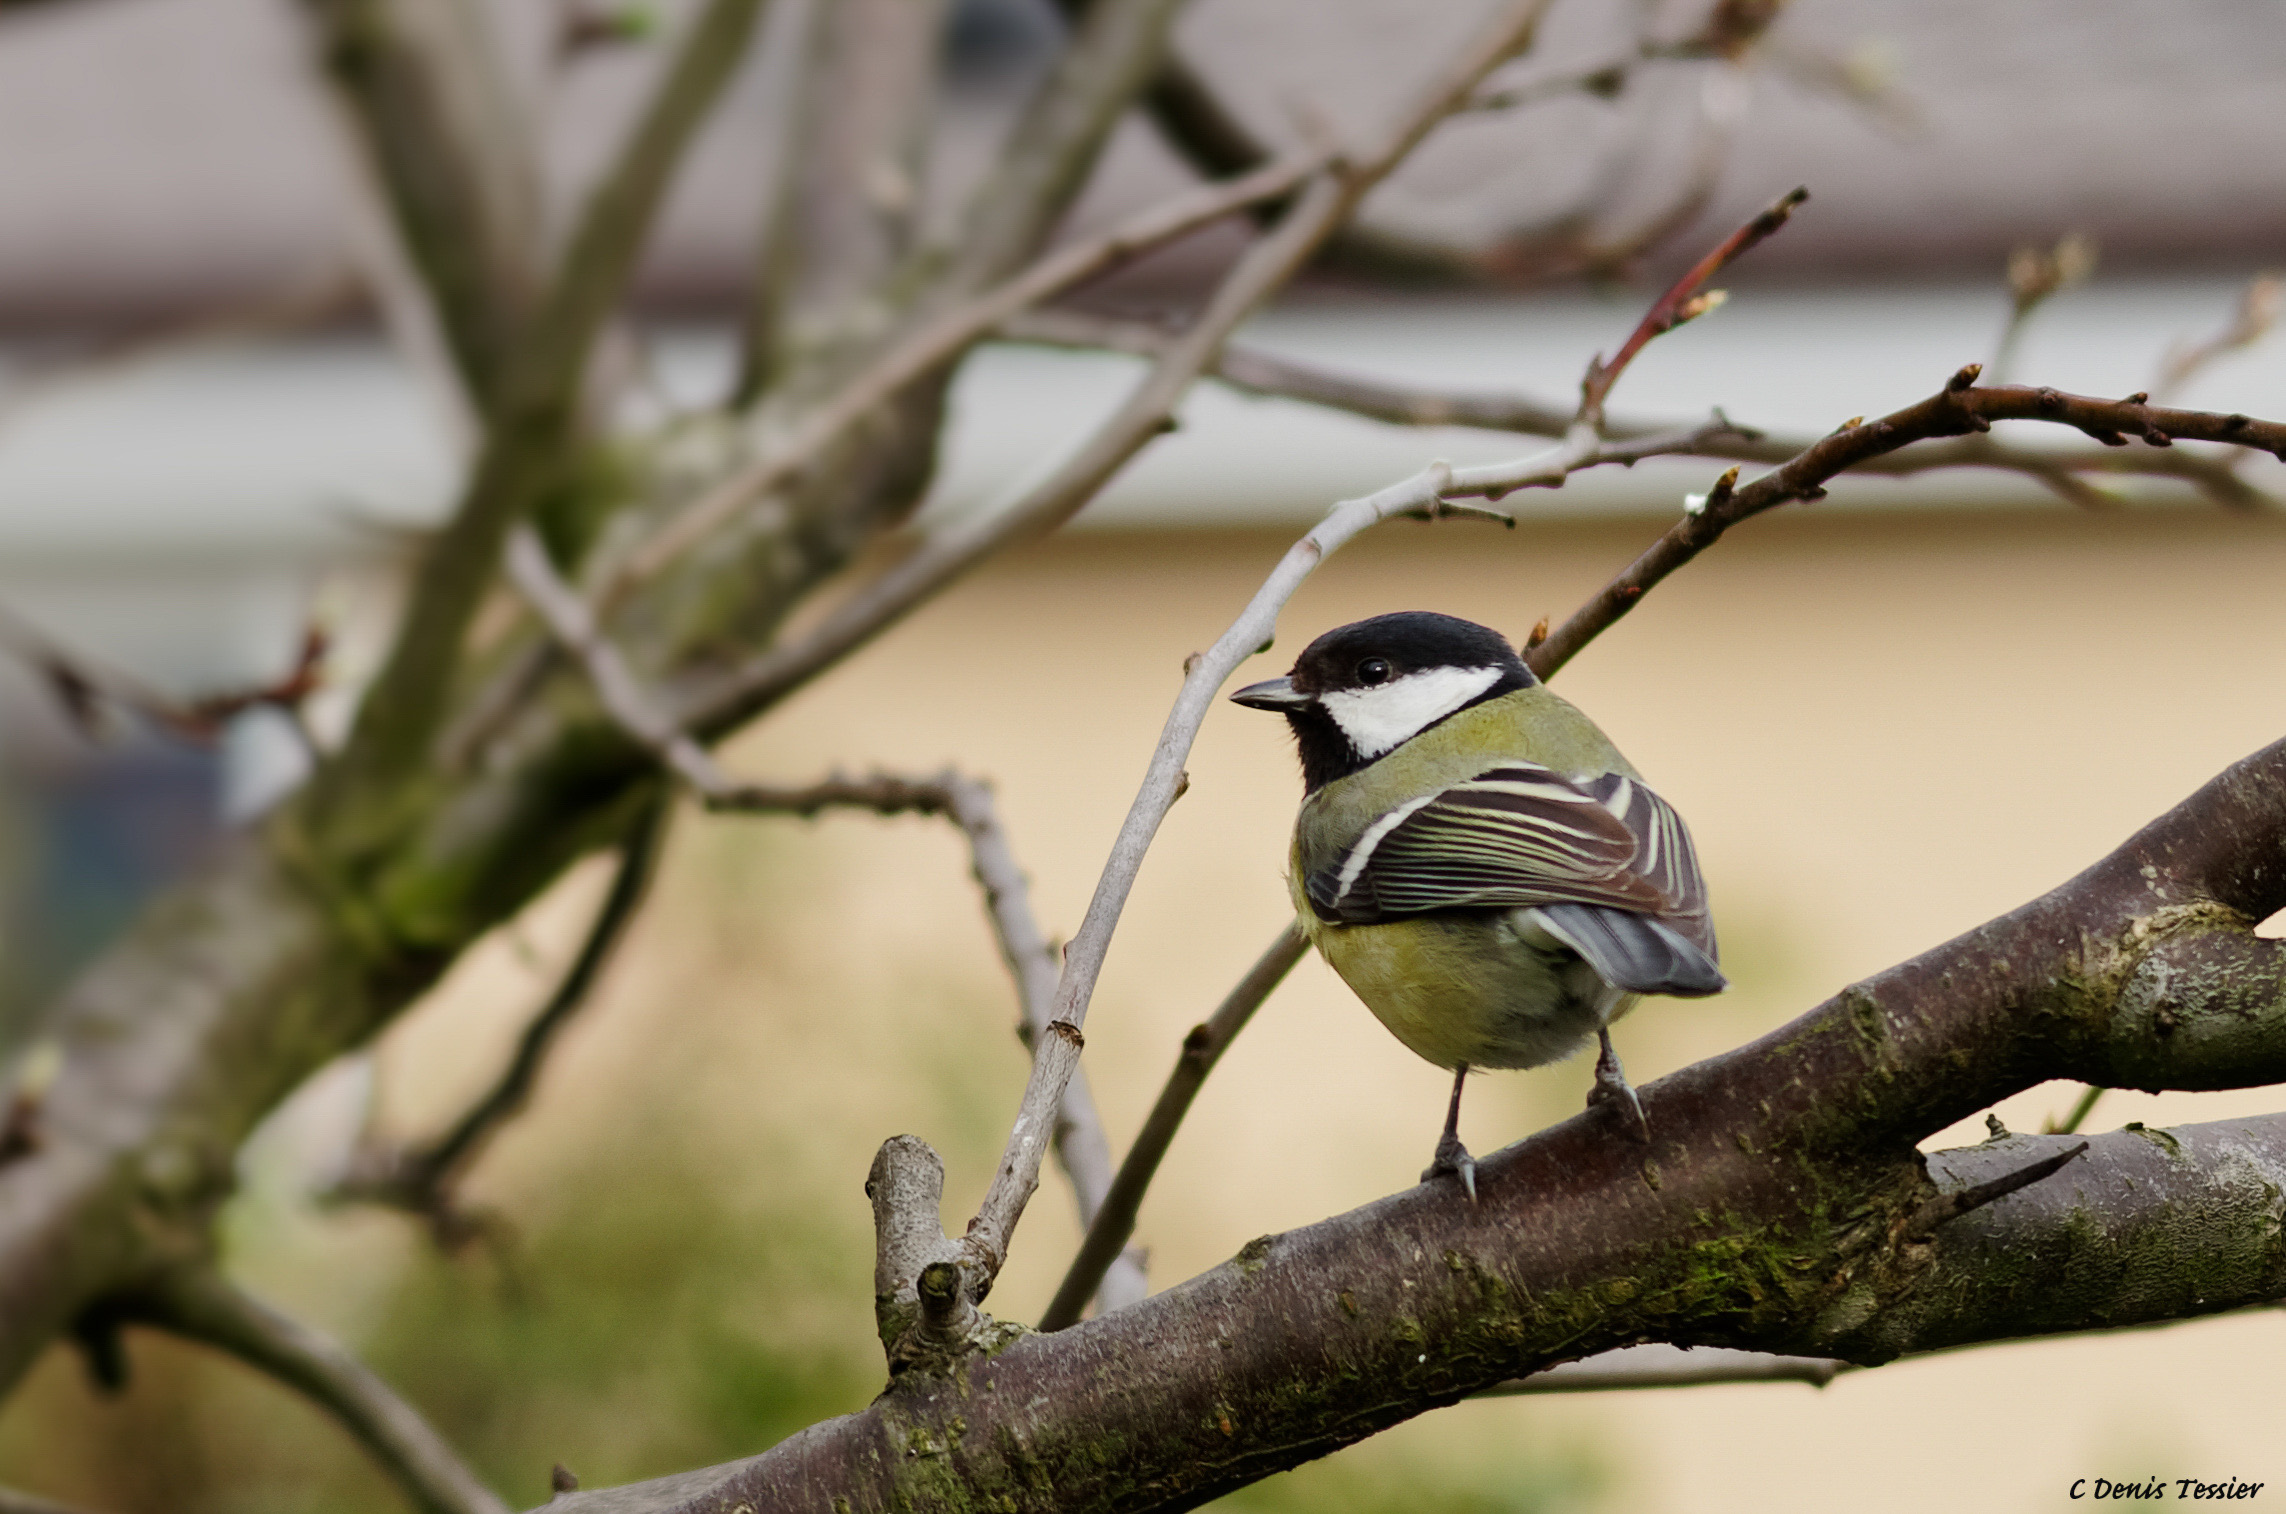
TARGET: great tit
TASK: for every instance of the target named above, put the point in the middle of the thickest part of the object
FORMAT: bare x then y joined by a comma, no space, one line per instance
1477,860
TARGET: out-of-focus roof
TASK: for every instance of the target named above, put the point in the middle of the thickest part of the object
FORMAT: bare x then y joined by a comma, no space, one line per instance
164,154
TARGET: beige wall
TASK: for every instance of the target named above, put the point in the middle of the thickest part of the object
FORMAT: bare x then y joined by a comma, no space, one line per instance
1883,730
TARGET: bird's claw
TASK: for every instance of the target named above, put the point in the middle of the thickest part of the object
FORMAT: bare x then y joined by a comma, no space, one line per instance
1612,1090
1453,1157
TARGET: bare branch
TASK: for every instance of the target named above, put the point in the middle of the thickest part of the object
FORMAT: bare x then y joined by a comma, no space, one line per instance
203,1306
1682,302
936,343
617,218
1959,409
1255,371
1079,1138
84,688
2081,1109
1114,1222
2258,310
1077,1128
422,1179
446,144
2034,276
574,627
1113,51
1662,1366
1148,410
1947,1207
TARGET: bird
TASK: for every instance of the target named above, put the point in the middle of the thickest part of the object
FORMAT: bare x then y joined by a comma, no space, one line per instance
1477,861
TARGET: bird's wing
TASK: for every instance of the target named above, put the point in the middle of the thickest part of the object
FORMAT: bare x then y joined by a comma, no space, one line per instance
1519,835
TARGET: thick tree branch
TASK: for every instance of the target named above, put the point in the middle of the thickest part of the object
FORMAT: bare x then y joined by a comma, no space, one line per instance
1775,1212
445,142
531,443
202,1306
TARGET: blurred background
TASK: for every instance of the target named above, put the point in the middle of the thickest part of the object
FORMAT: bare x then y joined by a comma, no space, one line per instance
1887,717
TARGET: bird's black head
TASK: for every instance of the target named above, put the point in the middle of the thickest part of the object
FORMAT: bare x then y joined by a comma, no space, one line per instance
1362,690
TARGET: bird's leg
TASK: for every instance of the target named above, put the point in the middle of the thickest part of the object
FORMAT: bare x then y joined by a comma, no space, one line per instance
1451,1155
1613,1089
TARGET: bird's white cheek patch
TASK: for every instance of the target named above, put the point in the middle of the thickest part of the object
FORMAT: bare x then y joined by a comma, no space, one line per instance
1378,718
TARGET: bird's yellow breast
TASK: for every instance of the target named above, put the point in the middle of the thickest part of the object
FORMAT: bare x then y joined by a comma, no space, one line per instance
1460,985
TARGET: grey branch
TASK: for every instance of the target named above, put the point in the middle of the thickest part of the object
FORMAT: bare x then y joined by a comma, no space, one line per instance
1080,1143
1113,52
1663,1366
1254,371
201,1305
934,344
2258,311
1114,1222
422,1178
1077,1128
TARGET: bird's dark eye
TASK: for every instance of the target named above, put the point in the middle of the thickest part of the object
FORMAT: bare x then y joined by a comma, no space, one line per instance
1372,671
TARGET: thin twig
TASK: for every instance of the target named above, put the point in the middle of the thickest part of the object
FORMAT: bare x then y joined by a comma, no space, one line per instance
1113,49
936,343
2034,276
2258,311
201,1305
421,1179
1114,1223
620,210
1255,371
1662,1366
1077,1128
1324,205
1081,1145
1427,492
1959,409
1947,1207
84,687
1683,301
2082,1107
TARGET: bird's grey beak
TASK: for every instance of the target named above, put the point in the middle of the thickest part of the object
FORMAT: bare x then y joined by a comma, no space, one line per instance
1273,694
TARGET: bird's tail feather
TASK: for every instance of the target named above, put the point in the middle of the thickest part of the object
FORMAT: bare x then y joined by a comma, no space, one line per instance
1634,952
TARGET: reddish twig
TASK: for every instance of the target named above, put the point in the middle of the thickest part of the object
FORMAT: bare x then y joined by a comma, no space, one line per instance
85,688
1683,301
1959,409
